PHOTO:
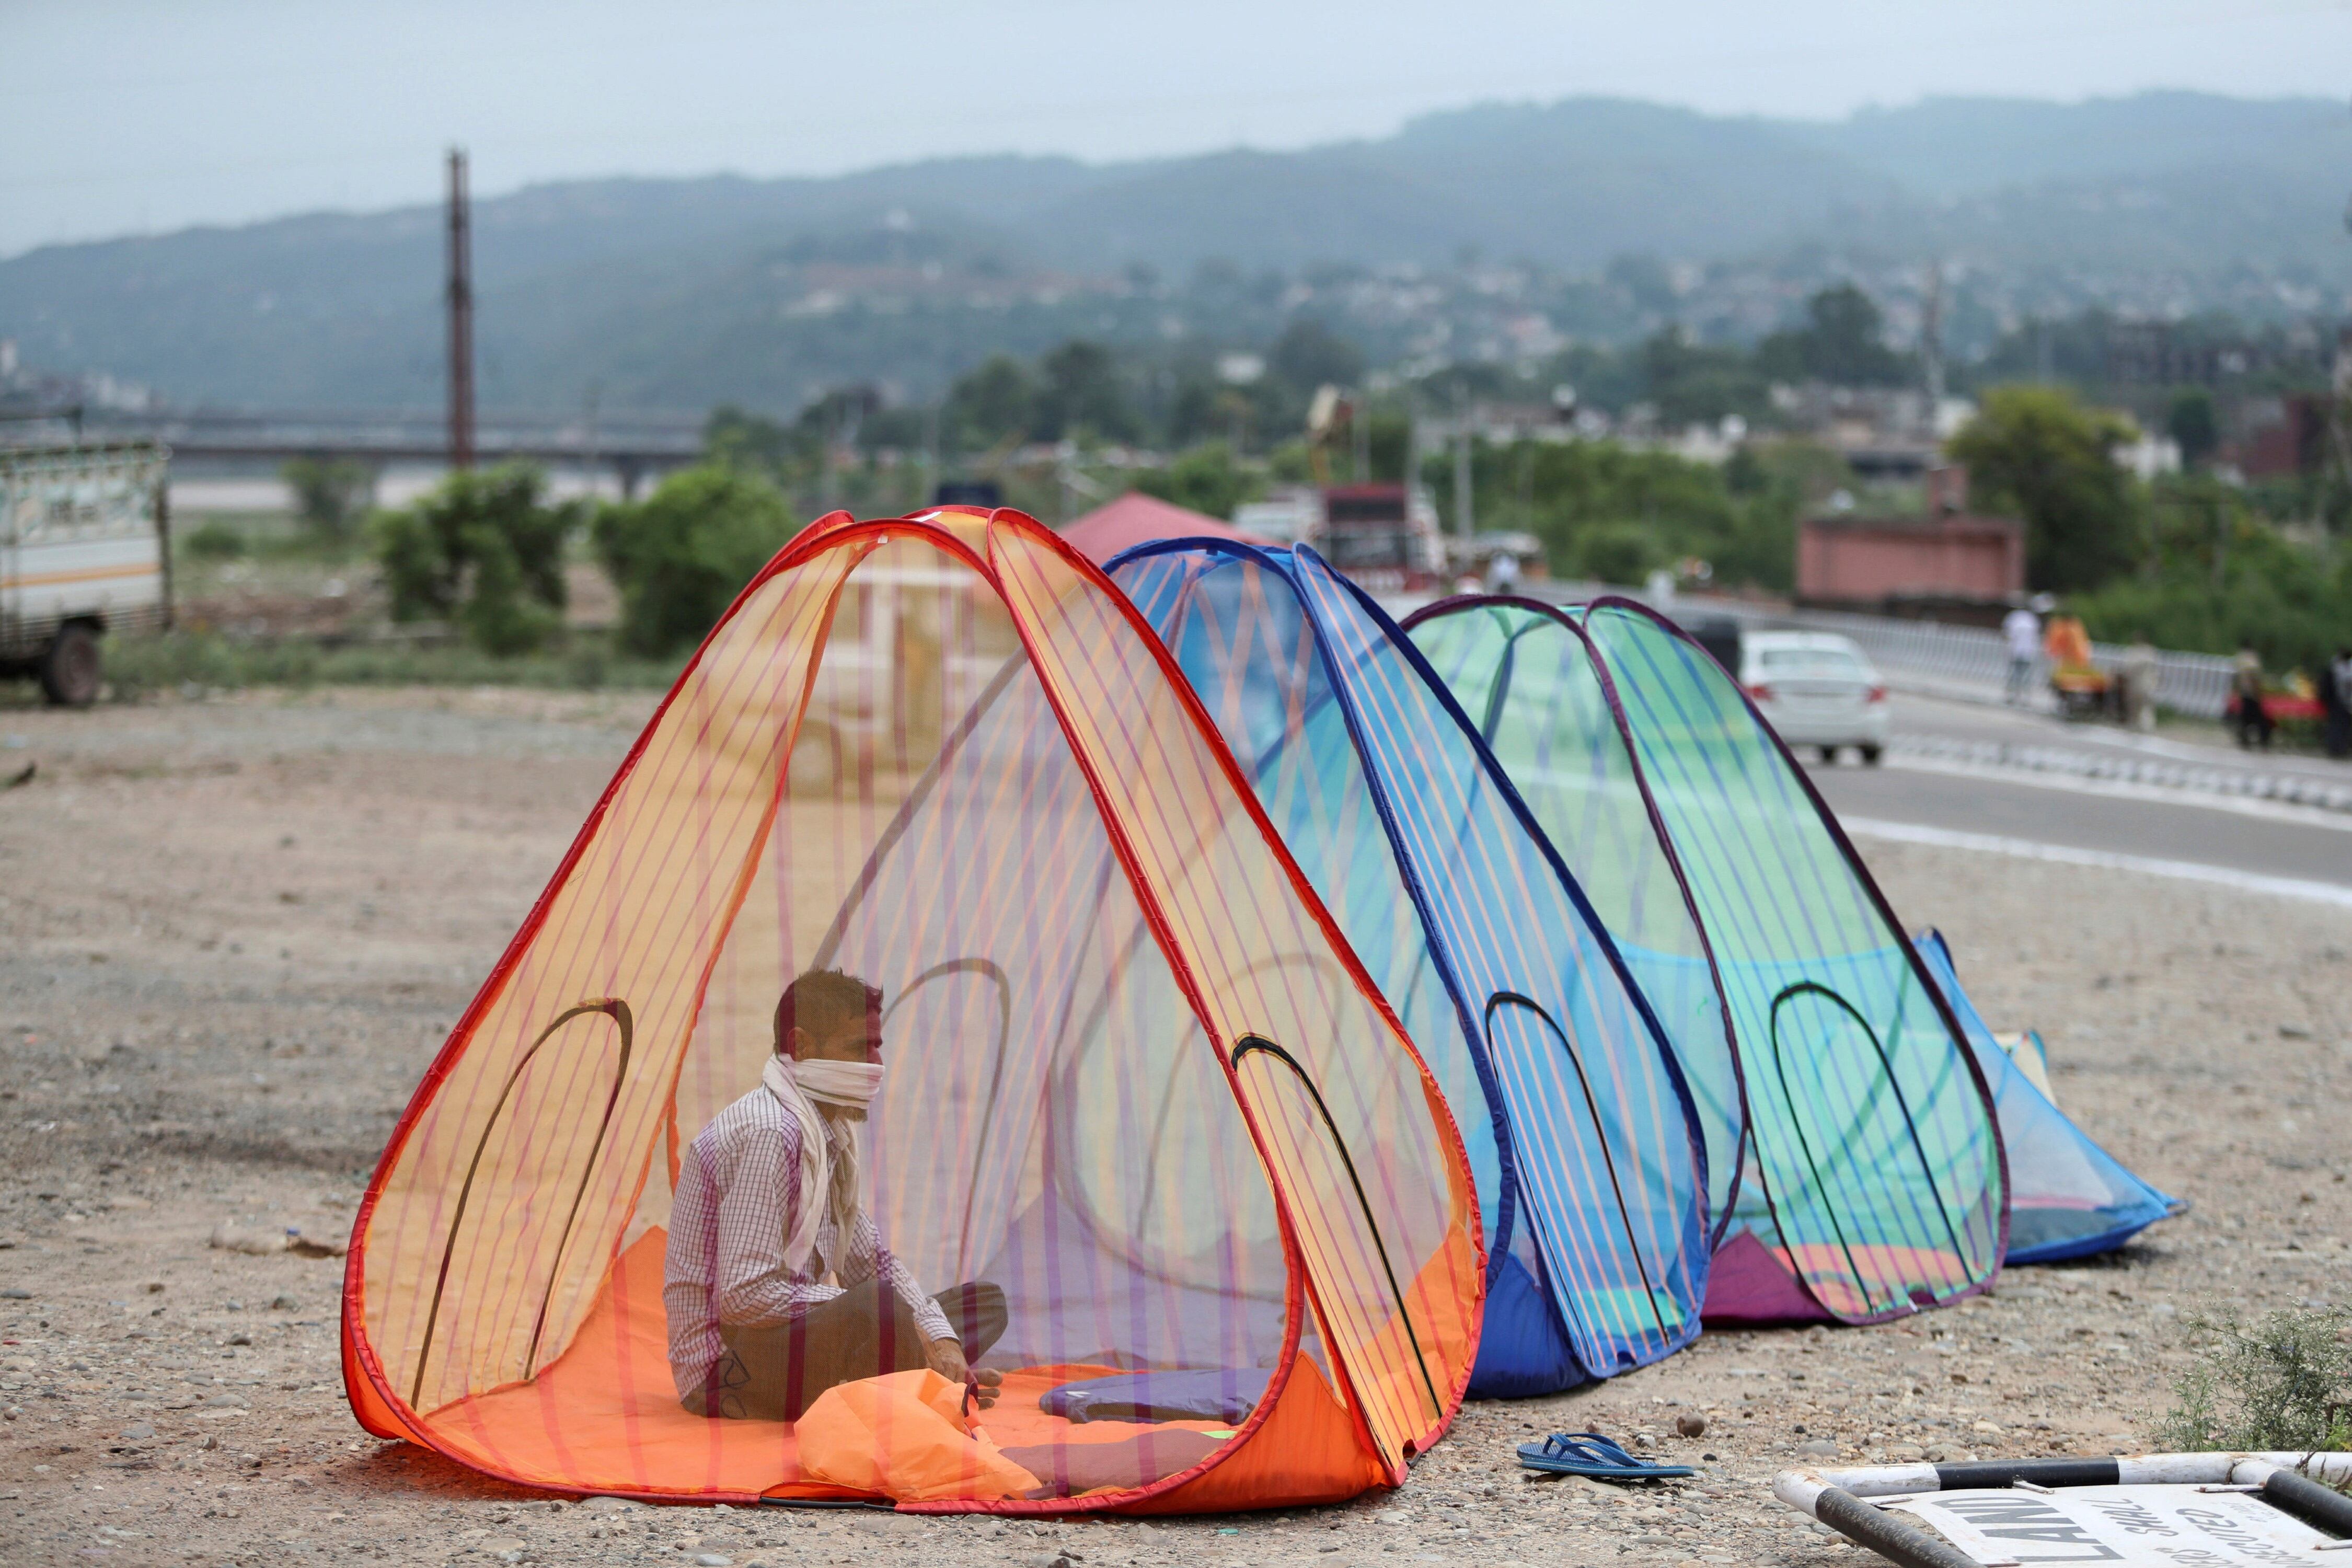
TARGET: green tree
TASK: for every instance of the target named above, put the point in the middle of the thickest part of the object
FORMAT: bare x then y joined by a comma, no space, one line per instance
1205,477
2224,574
2039,453
330,495
995,402
2193,426
1606,510
1193,412
1693,382
1617,552
742,439
1082,392
1841,342
681,555
1309,354
484,551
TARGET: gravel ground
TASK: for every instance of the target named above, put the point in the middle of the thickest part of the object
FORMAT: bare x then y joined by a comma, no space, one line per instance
233,932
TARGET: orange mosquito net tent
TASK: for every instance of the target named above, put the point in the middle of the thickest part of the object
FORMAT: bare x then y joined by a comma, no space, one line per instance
1133,1082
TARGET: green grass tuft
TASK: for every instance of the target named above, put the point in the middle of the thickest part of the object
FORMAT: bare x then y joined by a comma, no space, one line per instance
2282,1384
139,666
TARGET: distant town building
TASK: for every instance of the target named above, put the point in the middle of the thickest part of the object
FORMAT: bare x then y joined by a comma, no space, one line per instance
1883,432
2149,457
2281,437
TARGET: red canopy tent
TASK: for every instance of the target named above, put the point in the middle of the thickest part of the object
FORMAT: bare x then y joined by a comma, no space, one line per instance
1137,519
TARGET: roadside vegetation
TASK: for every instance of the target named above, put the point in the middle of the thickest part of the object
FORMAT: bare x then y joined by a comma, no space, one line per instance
2281,1385
681,556
204,661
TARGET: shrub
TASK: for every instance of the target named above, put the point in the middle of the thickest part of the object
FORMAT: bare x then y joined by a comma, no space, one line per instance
2284,1384
1616,552
331,495
1203,478
2291,601
214,541
484,553
1741,518
681,555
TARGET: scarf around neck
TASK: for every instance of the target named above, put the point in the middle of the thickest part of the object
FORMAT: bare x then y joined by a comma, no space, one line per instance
799,1087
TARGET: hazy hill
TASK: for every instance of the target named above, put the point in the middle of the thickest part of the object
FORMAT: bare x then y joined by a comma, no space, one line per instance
676,292
1949,147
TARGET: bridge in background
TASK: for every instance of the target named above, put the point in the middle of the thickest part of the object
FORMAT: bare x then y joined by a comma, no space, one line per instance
633,448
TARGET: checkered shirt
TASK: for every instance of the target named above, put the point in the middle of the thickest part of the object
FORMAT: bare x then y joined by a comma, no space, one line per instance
739,1192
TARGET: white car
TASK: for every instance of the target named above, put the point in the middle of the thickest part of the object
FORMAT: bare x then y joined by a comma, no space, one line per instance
1817,689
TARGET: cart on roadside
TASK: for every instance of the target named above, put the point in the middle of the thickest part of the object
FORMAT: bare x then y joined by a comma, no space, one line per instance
2084,690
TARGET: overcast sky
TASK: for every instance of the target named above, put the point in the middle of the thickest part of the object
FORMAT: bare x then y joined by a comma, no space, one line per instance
121,117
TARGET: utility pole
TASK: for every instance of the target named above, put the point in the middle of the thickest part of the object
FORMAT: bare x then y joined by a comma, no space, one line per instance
1412,446
1464,523
2339,470
461,317
930,454
1931,341
595,399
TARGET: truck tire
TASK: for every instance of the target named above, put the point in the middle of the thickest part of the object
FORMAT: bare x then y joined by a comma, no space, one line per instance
70,670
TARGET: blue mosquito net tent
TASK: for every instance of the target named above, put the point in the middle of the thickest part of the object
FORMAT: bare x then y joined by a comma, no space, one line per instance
1871,1181
1584,1142
2068,1198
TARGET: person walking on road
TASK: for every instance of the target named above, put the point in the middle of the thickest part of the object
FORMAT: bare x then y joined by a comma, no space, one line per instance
2023,630
2336,703
2246,690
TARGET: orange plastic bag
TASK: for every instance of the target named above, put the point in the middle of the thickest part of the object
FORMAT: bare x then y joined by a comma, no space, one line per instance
905,1436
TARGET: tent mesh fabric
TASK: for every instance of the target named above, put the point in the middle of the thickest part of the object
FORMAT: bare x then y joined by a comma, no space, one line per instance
2068,1198
1875,1182
1133,1080
1583,1137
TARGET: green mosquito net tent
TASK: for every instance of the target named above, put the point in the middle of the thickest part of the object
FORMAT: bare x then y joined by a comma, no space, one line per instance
1871,1179
1584,1142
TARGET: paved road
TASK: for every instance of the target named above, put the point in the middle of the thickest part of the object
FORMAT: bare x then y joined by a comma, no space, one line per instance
2199,746
2018,811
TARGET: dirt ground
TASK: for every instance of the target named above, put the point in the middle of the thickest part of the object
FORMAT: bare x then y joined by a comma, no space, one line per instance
233,932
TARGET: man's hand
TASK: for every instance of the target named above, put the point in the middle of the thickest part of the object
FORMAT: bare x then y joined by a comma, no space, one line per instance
946,1356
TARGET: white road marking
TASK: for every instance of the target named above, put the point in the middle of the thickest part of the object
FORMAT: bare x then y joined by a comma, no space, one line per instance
2067,855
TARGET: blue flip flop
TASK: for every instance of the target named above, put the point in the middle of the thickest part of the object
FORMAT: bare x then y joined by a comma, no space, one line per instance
1590,1454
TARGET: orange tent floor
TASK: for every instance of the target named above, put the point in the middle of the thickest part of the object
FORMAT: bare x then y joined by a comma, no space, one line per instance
605,1416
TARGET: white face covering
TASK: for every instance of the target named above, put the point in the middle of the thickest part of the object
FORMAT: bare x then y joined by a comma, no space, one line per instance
799,1087
848,1085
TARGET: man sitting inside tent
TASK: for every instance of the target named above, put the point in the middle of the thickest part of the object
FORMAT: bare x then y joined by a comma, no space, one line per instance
770,1203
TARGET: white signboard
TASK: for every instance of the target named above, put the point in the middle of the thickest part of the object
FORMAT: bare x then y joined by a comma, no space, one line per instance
2163,1527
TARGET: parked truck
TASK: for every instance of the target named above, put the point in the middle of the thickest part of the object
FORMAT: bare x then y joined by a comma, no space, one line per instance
84,550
